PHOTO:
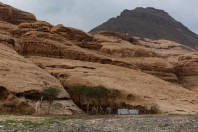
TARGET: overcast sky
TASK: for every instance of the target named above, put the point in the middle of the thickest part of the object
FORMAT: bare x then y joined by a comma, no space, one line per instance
87,14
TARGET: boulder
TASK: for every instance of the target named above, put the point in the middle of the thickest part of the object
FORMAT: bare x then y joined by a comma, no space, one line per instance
15,105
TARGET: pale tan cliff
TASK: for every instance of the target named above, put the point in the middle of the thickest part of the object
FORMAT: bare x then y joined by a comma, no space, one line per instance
36,54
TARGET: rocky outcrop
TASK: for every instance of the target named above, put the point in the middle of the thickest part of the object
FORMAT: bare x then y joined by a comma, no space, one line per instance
15,105
135,56
110,46
150,23
14,16
119,36
167,49
78,37
23,78
7,37
35,26
19,74
72,33
187,71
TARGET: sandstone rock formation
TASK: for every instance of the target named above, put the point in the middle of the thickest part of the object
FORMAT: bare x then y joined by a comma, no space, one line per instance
36,54
15,105
187,71
145,89
136,56
167,49
19,75
150,23
14,16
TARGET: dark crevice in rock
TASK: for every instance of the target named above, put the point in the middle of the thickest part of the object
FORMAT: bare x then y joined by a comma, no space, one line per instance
3,93
69,67
31,94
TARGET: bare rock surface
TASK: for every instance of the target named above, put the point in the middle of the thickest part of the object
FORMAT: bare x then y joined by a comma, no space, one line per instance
14,16
167,49
170,98
19,74
187,71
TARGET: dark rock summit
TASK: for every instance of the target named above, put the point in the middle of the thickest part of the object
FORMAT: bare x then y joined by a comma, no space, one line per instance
150,23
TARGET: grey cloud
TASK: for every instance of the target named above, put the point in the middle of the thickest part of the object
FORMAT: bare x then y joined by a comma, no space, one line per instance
86,14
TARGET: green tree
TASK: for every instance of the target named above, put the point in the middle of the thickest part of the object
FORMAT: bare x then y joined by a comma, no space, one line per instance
78,91
98,93
50,94
88,93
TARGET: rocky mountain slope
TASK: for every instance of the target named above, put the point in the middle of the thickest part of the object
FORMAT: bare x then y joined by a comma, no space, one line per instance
140,73
150,23
15,16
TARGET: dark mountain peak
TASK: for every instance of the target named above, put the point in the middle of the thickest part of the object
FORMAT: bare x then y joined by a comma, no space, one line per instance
155,11
146,13
151,9
150,23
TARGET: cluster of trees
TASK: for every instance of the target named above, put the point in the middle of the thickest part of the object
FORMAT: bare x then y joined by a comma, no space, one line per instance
81,94
94,95
88,94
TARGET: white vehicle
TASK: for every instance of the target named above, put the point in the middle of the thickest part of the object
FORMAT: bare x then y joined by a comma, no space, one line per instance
128,112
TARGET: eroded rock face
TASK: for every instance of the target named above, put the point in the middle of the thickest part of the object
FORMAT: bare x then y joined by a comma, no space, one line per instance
19,74
6,29
35,26
187,71
136,87
15,105
169,50
36,54
14,16
135,55
115,49
71,33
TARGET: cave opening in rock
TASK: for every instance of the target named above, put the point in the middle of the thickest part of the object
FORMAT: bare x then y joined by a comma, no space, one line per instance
31,94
